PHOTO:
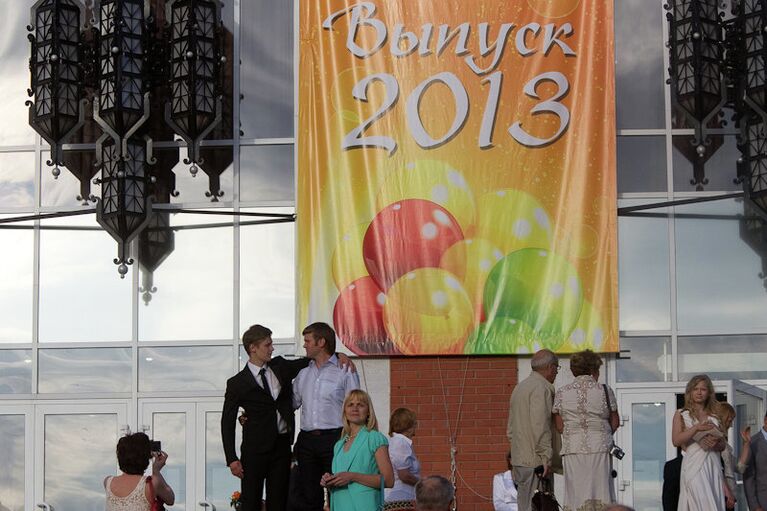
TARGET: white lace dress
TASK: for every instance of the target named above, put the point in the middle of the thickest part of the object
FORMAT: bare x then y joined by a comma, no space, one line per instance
134,501
701,482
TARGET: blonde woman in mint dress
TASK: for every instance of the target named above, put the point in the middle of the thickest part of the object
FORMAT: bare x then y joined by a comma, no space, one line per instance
360,459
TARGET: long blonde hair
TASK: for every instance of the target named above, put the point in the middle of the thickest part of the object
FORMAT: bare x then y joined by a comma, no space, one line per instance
711,406
372,423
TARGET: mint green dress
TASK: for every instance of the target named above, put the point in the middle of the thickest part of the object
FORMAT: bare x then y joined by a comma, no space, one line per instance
359,458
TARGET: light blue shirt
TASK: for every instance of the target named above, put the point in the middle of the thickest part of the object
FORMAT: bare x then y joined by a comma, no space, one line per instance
320,393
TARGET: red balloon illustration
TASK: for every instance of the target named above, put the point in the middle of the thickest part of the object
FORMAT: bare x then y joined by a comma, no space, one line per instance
358,318
405,236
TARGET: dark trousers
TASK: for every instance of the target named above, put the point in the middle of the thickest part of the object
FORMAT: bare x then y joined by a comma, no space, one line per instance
314,453
272,468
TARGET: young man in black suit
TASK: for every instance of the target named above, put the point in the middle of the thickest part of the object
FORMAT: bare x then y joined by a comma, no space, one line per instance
264,390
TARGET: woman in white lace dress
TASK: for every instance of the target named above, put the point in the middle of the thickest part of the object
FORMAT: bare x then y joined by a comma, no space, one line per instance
696,430
586,414
131,491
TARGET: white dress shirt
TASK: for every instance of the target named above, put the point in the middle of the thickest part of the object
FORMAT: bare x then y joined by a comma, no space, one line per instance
320,393
274,387
402,457
504,492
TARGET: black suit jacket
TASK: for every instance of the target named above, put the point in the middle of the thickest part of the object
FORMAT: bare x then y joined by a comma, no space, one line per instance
671,475
260,431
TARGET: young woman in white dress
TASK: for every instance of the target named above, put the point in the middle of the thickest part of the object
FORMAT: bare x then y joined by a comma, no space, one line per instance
696,430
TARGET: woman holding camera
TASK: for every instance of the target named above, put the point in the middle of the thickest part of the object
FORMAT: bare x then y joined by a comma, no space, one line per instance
131,491
586,414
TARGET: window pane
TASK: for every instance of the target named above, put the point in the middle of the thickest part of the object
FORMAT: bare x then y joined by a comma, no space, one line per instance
169,369
643,265
219,483
267,277
718,269
723,357
64,190
641,164
16,283
15,372
194,281
266,110
17,178
14,75
170,429
82,297
85,370
639,73
266,173
73,479
12,453
646,359
720,169
648,440
193,189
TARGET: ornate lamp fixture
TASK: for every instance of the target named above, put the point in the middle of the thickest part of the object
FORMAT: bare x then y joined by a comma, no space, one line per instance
127,60
717,63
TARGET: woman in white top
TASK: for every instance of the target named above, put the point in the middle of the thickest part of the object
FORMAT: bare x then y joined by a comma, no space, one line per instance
130,491
407,469
505,489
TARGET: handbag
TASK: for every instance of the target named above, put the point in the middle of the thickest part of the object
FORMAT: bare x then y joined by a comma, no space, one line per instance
155,502
399,505
543,498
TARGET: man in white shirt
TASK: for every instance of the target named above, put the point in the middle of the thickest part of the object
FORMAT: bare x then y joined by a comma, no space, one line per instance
319,390
505,489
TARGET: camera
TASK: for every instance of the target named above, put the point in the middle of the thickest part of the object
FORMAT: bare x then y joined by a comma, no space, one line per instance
617,452
155,446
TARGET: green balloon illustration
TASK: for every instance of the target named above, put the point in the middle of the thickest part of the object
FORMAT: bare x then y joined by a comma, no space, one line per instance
539,288
503,335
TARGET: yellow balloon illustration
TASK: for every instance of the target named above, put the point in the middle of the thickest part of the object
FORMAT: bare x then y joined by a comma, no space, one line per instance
512,220
553,8
432,180
347,262
428,311
471,261
588,333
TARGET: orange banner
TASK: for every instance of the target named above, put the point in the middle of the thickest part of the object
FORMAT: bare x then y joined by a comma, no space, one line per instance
456,175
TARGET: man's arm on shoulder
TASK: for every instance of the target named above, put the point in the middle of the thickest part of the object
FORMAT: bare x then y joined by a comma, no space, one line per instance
351,381
293,365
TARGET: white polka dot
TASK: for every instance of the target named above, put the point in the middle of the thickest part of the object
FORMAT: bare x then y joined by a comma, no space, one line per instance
598,338
542,218
410,276
537,347
513,321
347,237
381,299
352,287
439,299
452,283
523,349
578,336
501,193
439,194
556,290
469,242
441,217
497,254
522,229
429,231
456,178
410,165
574,285
397,207
543,253
485,265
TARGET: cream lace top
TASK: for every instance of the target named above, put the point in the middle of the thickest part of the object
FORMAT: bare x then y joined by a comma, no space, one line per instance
134,501
585,413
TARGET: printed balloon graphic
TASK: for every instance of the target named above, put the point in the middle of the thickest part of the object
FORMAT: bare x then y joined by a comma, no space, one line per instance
503,335
553,8
427,311
471,262
435,181
588,333
347,264
512,220
406,235
538,287
358,318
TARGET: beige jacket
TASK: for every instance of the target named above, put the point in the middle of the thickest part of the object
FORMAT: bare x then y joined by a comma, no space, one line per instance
530,430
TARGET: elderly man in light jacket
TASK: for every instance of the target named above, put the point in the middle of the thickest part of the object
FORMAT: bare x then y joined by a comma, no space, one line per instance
534,441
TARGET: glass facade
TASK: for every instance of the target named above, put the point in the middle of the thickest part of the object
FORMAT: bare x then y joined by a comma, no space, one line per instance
691,279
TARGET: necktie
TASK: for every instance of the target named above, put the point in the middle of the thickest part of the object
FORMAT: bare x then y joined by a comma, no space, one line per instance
265,382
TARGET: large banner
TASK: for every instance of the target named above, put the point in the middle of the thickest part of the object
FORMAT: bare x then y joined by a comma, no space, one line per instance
456,175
